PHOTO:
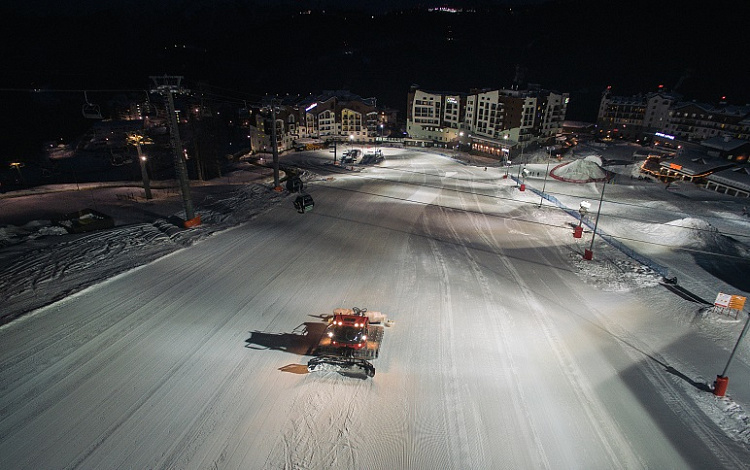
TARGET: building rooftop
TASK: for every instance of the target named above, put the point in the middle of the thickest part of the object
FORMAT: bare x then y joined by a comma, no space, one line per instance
724,144
694,162
737,177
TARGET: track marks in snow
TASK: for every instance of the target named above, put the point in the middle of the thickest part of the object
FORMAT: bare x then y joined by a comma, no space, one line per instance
324,428
451,381
597,418
533,454
70,265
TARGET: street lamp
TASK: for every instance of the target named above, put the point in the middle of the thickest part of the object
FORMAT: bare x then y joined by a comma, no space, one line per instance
549,155
17,166
506,153
144,177
137,139
589,254
520,160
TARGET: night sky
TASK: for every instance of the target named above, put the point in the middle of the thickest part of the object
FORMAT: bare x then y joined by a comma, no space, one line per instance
369,48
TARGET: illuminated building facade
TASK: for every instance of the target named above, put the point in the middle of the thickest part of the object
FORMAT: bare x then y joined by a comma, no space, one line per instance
633,117
434,118
495,122
340,115
700,121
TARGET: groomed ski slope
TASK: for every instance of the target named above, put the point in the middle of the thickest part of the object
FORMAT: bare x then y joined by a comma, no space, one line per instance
507,351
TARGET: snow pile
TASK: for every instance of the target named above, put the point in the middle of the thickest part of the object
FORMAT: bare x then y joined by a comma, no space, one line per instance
597,159
691,233
615,274
578,171
727,414
11,235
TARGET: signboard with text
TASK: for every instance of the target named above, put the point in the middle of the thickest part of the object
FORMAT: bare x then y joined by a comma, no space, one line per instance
735,302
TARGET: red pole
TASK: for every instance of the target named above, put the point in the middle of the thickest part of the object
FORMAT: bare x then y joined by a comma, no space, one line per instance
722,381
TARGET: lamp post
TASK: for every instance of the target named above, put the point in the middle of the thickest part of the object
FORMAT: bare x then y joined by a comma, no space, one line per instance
276,185
520,161
380,137
137,139
144,176
506,152
17,166
589,254
544,185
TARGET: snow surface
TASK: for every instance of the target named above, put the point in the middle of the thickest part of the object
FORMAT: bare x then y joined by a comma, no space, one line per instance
150,346
579,171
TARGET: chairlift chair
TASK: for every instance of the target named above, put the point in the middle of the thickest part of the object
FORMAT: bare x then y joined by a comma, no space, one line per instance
304,203
90,110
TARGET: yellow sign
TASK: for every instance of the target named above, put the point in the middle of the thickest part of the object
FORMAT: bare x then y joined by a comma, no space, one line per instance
737,302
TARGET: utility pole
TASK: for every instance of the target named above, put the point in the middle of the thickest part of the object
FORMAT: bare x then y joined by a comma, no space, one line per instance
166,85
520,163
589,254
138,139
198,141
722,381
275,146
549,155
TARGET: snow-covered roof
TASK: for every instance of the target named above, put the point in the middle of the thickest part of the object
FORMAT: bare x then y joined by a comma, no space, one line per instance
737,177
725,110
685,104
725,144
694,162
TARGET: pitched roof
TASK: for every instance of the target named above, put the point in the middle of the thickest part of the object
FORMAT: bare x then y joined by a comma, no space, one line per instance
737,177
725,144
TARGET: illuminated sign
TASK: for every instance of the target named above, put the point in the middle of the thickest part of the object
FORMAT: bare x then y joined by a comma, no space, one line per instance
451,100
666,136
675,166
311,107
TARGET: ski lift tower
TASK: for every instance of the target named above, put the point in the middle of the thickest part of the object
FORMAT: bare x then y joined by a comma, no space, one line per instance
166,85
